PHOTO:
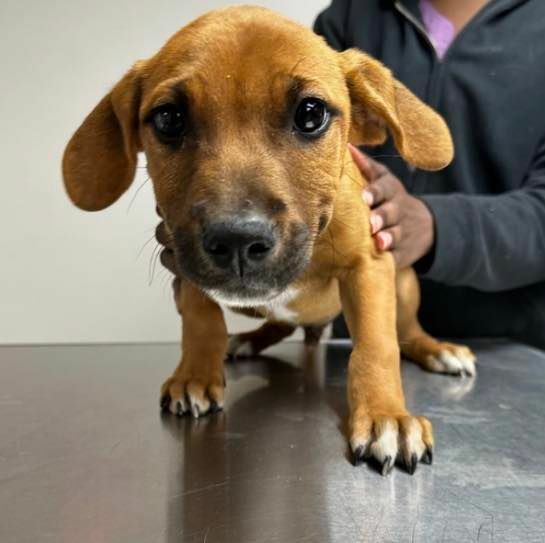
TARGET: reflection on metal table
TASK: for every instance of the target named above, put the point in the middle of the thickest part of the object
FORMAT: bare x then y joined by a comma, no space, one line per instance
86,456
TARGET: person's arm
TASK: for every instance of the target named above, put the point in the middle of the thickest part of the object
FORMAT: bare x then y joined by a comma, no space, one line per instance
331,24
491,243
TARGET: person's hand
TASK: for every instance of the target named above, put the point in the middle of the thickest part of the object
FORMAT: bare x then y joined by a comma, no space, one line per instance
400,222
167,252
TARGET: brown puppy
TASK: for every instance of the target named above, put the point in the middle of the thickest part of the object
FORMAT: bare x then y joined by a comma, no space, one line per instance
244,117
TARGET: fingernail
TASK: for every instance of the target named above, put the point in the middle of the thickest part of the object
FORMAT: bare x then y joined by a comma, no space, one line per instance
367,197
385,240
376,223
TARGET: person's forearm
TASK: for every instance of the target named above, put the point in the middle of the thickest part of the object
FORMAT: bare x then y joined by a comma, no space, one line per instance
490,243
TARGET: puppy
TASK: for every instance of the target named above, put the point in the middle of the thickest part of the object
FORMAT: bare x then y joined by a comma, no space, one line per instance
244,117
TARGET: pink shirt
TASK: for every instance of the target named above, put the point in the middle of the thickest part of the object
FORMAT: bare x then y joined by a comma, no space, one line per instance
440,29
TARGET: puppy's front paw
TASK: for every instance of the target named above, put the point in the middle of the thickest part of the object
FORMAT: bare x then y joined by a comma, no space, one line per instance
451,359
197,394
239,346
387,439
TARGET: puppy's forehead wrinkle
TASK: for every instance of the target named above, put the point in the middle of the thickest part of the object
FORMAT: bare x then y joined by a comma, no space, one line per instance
187,85
297,86
220,39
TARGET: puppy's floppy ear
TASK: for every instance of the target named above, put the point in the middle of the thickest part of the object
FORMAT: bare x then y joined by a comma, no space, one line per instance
379,102
100,159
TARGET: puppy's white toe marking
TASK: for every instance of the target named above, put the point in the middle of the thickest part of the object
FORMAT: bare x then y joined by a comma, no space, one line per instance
413,441
199,406
450,362
385,446
233,344
237,348
456,363
178,407
359,445
245,349
467,359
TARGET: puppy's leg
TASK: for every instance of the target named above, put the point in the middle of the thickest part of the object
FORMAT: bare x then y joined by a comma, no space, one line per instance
252,343
197,384
417,345
380,426
313,334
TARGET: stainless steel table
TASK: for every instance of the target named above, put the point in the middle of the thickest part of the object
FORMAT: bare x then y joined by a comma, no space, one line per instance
85,455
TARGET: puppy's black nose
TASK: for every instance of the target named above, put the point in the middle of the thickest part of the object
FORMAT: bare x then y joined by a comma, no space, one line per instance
240,245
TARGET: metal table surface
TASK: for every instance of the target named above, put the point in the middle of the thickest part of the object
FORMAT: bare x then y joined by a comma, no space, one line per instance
85,455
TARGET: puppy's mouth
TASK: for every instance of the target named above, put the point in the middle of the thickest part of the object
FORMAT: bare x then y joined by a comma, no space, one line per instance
243,263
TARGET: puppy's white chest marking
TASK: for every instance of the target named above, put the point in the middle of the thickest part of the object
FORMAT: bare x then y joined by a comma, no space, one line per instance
275,308
278,309
281,312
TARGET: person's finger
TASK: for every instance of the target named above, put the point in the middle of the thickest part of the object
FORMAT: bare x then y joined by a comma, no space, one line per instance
381,190
399,258
361,160
402,257
384,240
384,216
370,168
367,197
388,239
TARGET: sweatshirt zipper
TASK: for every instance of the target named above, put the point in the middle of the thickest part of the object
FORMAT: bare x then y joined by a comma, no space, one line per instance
414,179
476,19
418,25
436,76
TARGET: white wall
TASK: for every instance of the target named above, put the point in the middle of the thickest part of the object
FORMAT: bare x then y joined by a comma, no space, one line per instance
65,275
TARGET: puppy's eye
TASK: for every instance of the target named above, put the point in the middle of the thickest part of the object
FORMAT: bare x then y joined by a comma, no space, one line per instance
169,122
311,117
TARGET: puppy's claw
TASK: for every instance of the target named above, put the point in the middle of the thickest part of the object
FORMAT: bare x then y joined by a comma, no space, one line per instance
427,458
196,397
384,440
452,359
215,408
238,348
387,466
412,465
165,402
359,456
180,411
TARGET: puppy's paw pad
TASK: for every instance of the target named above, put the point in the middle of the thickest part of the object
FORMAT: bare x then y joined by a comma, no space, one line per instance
238,348
383,441
453,360
182,396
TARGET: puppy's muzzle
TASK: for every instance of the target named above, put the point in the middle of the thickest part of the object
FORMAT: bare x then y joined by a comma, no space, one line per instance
239,246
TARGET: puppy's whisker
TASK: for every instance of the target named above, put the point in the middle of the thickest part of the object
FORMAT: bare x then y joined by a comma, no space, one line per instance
157,255
144,246
344,224
136,194
386,156
153,261
354,180
333,250
165,279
